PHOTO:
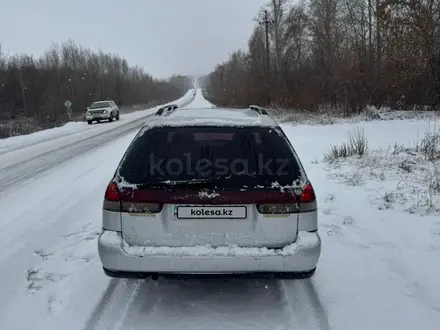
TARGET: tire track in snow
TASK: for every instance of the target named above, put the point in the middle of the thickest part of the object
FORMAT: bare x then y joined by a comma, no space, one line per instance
110,311
213,304
304,303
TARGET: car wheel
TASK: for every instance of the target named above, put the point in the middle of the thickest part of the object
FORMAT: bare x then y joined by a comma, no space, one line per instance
111,118
89,122
117,116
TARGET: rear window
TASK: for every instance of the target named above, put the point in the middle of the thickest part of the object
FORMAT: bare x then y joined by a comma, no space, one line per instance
231,157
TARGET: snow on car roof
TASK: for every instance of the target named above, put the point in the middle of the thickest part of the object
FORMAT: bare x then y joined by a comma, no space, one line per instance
213,117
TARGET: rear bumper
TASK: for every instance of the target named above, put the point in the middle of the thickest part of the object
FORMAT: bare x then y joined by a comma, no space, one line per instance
117,257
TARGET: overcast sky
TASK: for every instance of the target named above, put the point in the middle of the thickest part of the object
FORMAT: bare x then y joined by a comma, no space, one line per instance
163,36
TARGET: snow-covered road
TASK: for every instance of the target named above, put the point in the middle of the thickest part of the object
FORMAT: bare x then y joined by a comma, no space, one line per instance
378,268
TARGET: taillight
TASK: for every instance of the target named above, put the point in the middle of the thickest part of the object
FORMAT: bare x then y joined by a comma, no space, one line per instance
308,194
281,203
277,208
112,200
112,193
305,203
139,201
141,208
307,200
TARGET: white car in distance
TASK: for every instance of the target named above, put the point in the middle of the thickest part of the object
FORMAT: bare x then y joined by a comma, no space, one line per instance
102,110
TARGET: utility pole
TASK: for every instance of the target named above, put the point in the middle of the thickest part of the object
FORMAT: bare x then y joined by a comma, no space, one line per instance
370,33
266,23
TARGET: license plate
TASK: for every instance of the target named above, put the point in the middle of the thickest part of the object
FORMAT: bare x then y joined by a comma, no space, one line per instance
211,212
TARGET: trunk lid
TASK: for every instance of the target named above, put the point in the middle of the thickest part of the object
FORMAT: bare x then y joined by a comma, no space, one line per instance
170,199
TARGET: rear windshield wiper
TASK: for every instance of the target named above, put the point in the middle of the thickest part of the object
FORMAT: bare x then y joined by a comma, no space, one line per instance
173,183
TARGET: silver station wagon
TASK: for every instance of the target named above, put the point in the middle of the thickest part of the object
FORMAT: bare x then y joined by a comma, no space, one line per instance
205,192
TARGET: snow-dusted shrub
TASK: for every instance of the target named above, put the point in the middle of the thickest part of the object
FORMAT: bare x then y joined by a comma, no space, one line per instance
357,145
430,145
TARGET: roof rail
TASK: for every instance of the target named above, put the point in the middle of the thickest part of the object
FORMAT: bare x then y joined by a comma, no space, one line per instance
166,109
259,109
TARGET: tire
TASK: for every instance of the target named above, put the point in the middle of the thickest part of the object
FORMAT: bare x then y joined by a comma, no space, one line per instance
111,118
89,122
125,275
117,116
298,276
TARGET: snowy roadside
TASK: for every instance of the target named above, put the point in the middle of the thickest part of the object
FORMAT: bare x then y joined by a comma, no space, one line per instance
71,128
377,269
403,177
329,117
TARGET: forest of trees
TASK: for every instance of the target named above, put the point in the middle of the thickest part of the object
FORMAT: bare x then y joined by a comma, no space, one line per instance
339,53
35,89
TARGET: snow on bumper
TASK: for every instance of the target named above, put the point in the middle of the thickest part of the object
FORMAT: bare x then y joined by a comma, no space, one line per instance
117,255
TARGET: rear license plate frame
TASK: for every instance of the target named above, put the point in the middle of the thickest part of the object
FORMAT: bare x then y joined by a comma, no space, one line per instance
183,212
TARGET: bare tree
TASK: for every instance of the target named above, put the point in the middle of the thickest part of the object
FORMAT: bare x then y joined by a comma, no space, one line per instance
340,53
36,89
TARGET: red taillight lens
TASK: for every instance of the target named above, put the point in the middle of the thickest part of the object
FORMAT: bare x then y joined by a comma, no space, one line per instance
280,203
308,194
112,193
305,203
140,201
307,200
112,200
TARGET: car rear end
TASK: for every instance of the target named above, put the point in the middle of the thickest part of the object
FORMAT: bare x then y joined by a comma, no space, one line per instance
210,200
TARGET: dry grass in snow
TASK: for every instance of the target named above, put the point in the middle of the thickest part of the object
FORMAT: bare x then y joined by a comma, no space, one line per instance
399,177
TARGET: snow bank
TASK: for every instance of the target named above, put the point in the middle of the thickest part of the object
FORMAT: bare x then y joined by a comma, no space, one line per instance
330,117
40,136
